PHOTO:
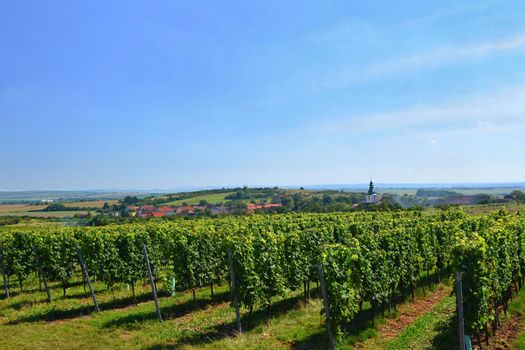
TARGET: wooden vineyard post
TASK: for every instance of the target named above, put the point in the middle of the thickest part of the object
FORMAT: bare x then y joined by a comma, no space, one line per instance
459,303
173,286
496,317
6,288
86,275
331,338
153,287
42,275
234,293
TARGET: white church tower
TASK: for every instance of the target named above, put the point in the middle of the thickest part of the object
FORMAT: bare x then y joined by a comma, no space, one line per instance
372,197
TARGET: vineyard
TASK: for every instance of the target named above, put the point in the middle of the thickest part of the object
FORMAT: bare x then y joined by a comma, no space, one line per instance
364,260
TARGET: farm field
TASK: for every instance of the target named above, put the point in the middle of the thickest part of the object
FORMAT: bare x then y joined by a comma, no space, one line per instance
89,204
7,209
240,175
466,191
13,197
127,324
210,198
46,214
483,209
489,208
36,210
386,278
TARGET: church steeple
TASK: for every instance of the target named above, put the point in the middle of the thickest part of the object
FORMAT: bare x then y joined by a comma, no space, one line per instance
371,188
372,197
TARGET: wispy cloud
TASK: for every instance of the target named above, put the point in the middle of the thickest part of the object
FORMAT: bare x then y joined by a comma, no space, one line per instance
502,111
426,60
453,9
466,132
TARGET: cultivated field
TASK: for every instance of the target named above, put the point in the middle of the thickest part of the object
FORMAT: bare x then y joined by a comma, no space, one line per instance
89,204
8,209
47,214
386,278
210,198
36,210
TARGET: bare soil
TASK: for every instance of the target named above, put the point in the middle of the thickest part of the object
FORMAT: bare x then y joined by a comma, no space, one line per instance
409,312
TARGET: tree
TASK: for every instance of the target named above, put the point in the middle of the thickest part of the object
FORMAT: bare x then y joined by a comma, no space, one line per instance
287,202
130,200
55,207
297,200
519,196
327,199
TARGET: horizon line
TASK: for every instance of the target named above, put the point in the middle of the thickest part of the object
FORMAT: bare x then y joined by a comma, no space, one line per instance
310,186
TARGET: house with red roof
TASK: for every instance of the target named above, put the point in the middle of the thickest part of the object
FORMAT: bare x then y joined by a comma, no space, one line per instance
251,207
148,211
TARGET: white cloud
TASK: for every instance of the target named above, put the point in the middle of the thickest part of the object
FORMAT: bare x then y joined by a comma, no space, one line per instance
453,9
426,60
501,111
476,130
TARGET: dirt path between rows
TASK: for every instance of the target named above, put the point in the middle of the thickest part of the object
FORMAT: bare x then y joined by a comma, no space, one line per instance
506,334
407,314
509,330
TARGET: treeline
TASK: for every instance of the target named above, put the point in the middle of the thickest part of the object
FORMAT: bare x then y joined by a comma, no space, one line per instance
14,220
429,192
9,220
519,196
291,200
63,207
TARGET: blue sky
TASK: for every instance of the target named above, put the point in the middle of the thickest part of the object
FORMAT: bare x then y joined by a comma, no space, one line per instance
163,94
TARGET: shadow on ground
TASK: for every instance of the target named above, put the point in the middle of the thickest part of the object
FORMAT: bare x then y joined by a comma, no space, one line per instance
225,330
119,303
171,312
447,336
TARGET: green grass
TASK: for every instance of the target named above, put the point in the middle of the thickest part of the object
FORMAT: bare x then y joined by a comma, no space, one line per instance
210,198
301,327
517,308
519,343
123,324
293,323
70,322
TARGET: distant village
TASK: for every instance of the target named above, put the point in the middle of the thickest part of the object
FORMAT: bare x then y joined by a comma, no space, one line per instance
371,198
151,211
148,211
238,201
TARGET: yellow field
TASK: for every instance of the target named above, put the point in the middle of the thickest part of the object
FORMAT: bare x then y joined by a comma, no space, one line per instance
31,224
90,204
45,214
5,209
32,210
488,208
